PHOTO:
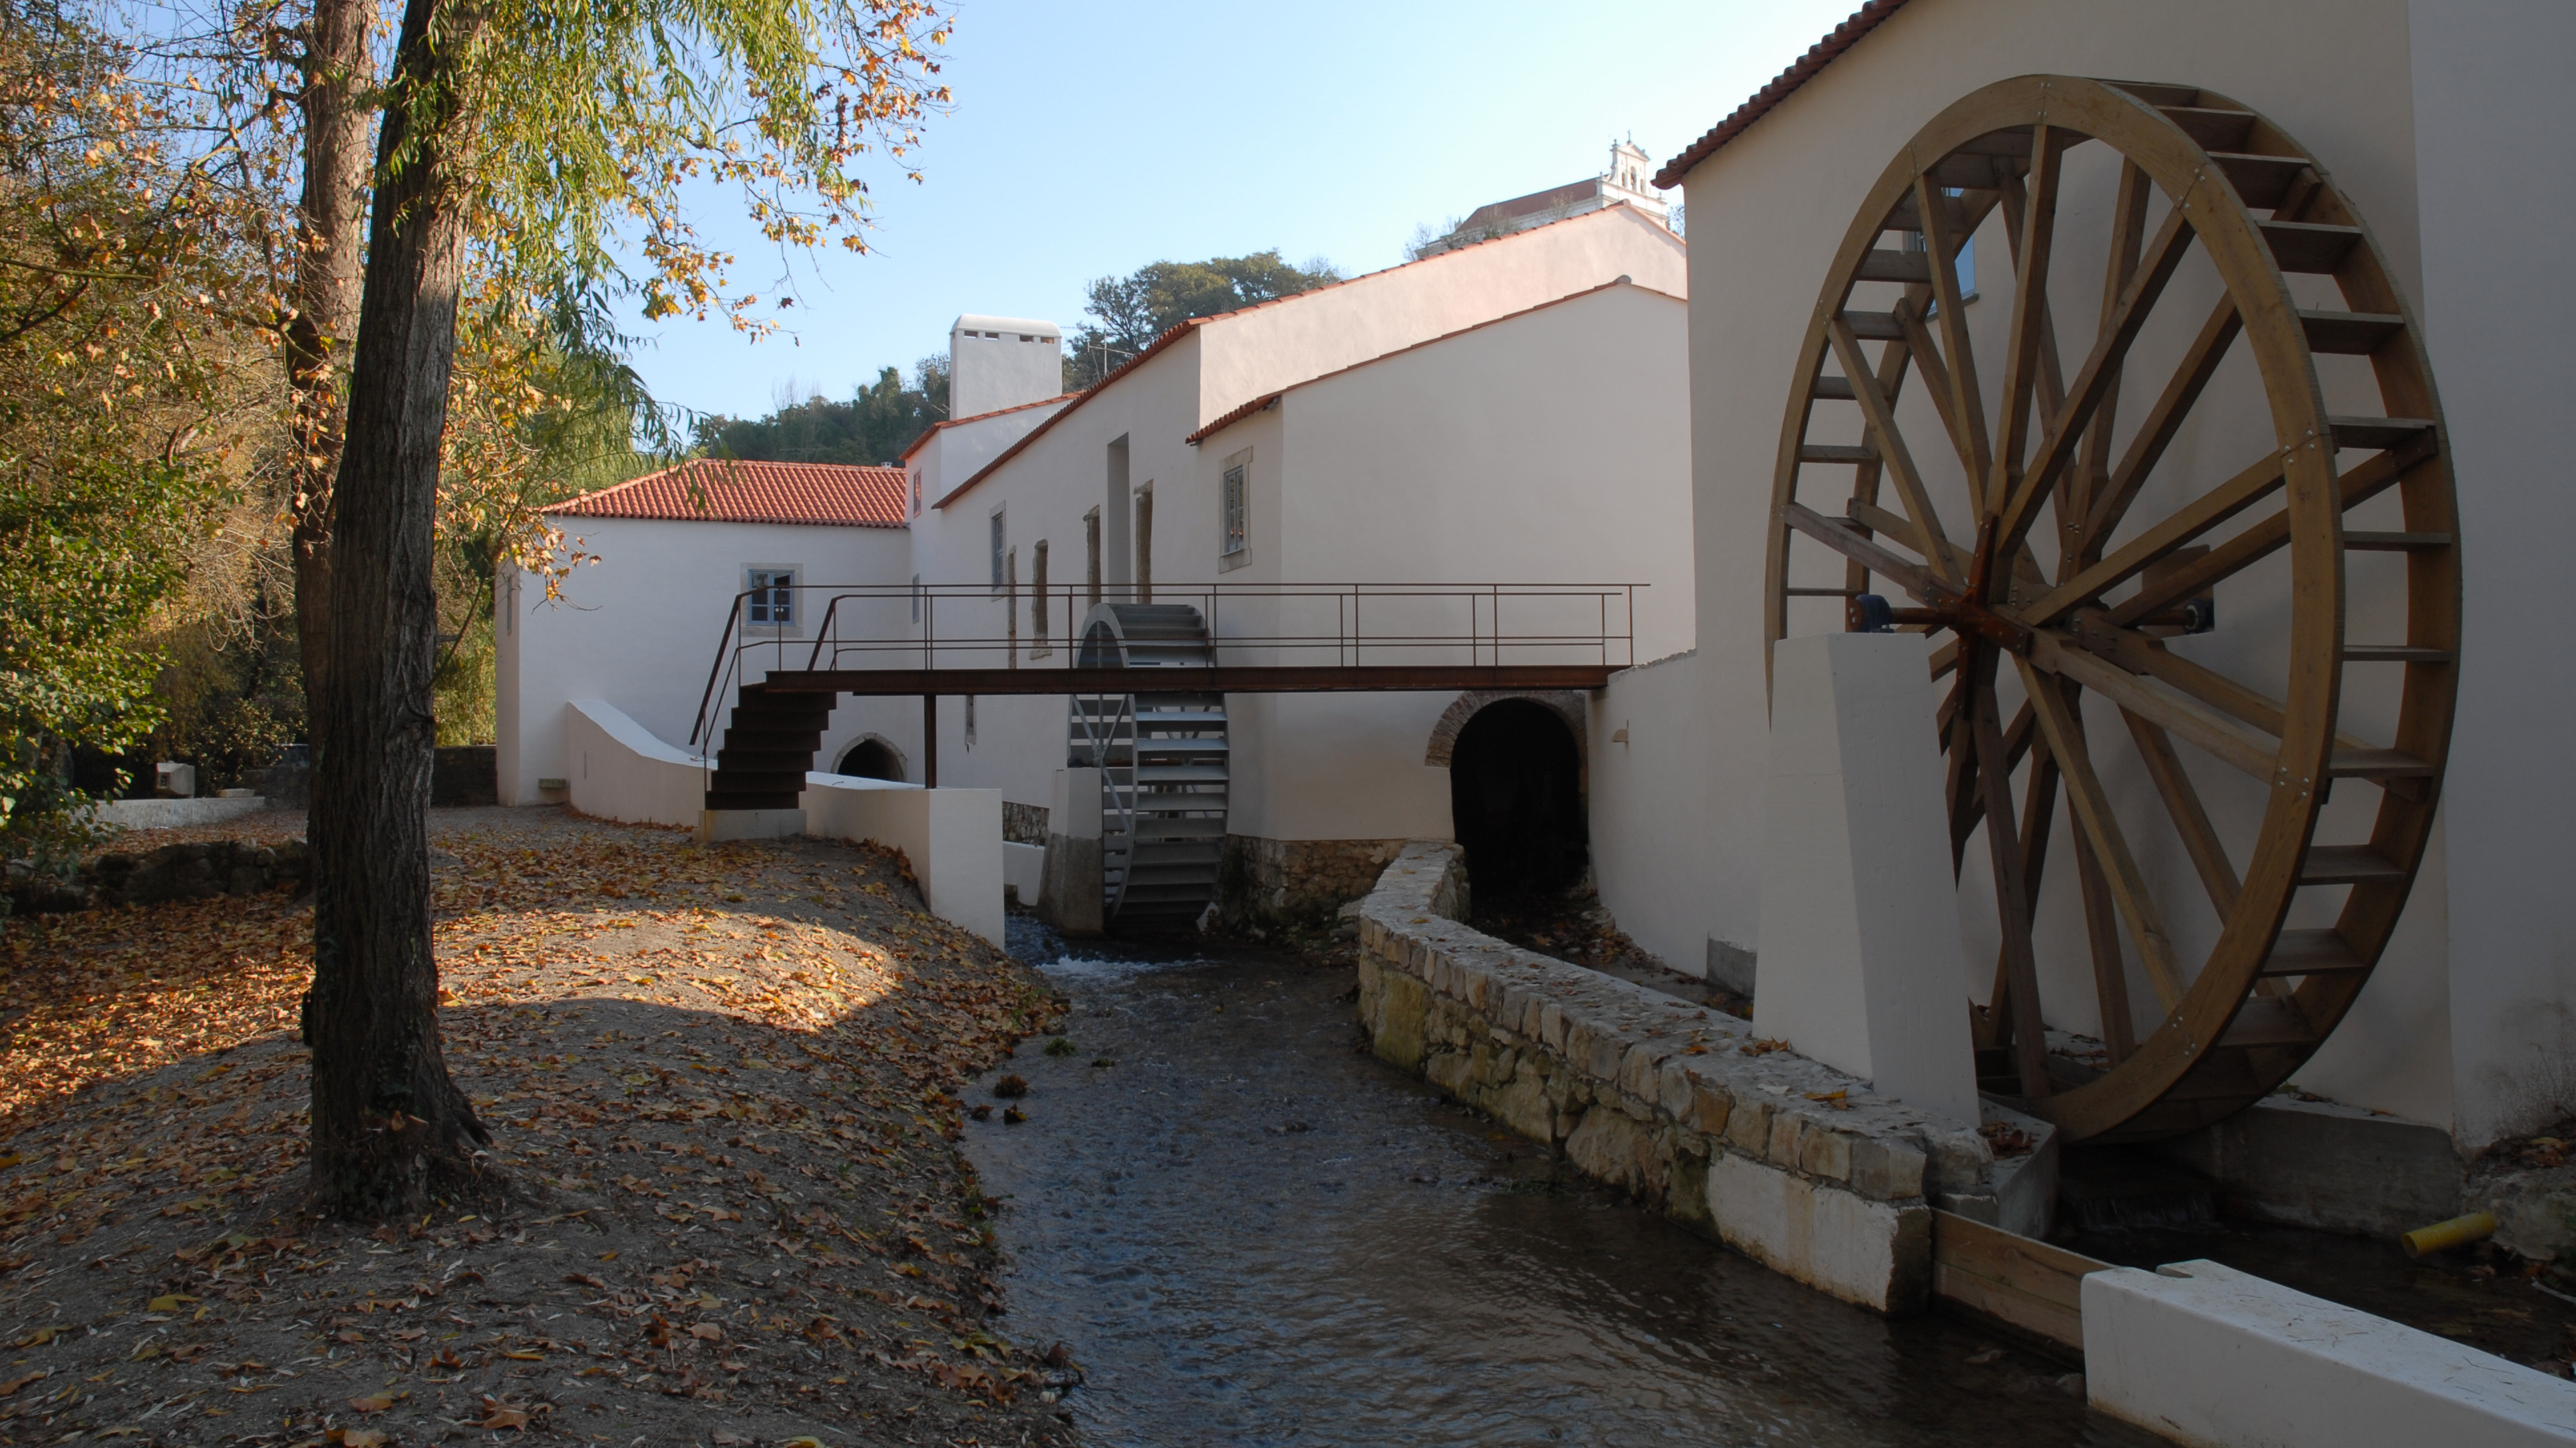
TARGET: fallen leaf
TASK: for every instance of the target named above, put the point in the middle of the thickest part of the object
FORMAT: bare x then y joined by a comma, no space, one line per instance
372,1402
11,1387
170,1303
355,1438
41,1336
707,1332
499,1417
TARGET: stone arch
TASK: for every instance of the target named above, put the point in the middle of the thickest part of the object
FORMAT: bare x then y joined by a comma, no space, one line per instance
888,756
1568,704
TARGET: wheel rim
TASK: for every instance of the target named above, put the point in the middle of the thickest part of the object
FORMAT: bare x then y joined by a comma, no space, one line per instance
2066,509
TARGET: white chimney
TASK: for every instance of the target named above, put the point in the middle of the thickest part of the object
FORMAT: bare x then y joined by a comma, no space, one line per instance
999,362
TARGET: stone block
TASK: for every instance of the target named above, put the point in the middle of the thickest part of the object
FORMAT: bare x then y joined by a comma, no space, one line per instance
1609,1146
1876,1254
1523,1106
1711,1108
1826,1154
1885,1171
1748,1127
1788,1139
2209,1355
2322,1164
1451,1071
1402,1006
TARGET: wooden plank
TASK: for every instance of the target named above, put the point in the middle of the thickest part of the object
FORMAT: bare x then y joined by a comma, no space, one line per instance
2395,654
1820,452
2311,952
2260,541
2306,246
2354,334
2184,524
2348,865
2367,432
2093,473
1884,265
2038,231
2013,907
2260,181
2361,541
1879,413
2023,1283
1832,389
2213,130
1874,326
2350,763
2102,942
2092,806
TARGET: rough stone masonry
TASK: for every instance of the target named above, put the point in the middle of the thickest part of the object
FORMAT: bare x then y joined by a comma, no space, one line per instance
1796,1165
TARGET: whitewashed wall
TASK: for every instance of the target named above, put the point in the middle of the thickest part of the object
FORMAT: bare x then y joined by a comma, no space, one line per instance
640,627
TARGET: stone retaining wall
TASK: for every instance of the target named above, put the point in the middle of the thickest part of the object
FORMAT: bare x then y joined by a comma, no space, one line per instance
1267,881
172,872
1788,1161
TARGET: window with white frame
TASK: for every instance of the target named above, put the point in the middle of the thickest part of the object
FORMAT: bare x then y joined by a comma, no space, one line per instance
770,600
1236,510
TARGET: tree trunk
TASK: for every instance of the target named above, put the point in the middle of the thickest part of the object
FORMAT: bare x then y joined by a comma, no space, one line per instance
324,294
389,1127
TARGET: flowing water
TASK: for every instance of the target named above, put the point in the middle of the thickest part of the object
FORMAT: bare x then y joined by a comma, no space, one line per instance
1249,1231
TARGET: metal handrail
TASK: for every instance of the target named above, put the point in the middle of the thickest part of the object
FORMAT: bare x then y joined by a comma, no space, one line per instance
1484,639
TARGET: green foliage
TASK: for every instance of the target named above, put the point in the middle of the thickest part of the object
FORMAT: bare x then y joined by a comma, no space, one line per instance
1129,312
875,425
230,697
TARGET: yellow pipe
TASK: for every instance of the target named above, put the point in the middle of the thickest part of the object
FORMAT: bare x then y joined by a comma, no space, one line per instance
2457,1232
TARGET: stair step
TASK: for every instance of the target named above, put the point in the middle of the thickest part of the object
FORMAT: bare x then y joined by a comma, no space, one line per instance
2266,1022
2347,865
2310,952
2377,764
2212,130
1883,265
2306,246
2351,334
2260,181
2362,541
2378,432
2395,654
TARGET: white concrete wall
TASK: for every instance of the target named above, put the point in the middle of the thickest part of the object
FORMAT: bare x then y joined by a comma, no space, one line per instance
2496,169
987,372
1772,206
1650,812
951,837
618,770
639,628
2210,1356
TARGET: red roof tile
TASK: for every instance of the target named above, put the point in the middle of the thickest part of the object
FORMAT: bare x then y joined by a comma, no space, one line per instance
1818,56
834,494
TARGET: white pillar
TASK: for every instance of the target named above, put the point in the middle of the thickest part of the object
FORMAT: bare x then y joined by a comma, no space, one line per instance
1860,964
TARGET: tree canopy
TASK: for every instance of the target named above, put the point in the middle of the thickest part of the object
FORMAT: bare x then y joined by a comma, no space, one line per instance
1127,313
874,425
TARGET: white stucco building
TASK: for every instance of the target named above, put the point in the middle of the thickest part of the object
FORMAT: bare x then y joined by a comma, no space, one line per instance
1506,413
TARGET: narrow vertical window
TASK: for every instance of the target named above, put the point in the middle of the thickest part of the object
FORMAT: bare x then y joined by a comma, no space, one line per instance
1145,543
1234,512
970,721
1091,559
998,535
1038,598
916,598
1011,602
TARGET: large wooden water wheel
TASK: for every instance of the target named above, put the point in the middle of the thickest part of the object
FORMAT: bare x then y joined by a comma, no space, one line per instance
2146,563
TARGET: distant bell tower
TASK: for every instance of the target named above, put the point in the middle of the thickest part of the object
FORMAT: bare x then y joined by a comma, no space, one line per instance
1632,172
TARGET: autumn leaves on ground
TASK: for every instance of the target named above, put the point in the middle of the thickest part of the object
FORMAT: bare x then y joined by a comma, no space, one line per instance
723,1089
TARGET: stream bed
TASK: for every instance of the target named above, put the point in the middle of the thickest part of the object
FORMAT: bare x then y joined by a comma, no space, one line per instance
1246,1230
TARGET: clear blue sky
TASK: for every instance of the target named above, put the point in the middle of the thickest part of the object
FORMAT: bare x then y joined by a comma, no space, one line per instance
1090,139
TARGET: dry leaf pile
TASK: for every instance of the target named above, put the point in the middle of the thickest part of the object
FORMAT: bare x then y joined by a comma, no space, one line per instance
723,1085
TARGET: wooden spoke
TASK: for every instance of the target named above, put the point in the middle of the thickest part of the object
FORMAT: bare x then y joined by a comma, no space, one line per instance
2012,900
1967,410
2199,838
2092,808
2101,370
2199,364
1847,540
2212,508
2092,476
2235,1019
2029,316
2360,485
1878,410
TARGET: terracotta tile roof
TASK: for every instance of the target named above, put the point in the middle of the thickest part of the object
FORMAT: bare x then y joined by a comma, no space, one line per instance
1818,56
928,432
830,494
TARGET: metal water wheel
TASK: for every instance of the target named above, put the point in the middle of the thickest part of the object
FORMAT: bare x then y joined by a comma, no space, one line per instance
2070,540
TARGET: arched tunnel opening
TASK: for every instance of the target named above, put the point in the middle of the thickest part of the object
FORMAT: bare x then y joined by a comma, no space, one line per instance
1516,804
871,759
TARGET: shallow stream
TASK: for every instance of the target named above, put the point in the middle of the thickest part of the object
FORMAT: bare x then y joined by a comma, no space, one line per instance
1249,1231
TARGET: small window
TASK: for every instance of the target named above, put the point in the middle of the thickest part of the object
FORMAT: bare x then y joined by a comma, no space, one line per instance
970,721
916,598
772,600
1237,508
998,534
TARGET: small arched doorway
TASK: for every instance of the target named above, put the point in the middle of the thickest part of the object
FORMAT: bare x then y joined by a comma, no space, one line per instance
1516,803
871,758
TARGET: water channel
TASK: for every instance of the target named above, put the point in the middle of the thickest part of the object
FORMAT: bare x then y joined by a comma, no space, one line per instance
1249,1231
